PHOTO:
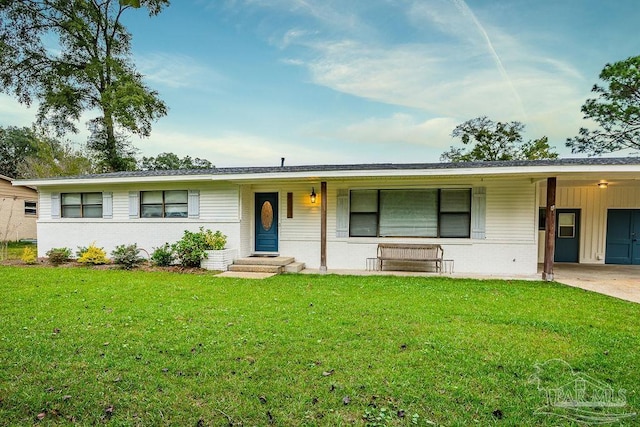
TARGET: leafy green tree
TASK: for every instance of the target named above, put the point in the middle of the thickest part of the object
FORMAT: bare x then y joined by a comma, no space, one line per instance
486,140
616,110
25,153
55,158
74,56
171,161
16,145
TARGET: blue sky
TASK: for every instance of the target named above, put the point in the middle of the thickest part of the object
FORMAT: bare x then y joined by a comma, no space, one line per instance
350,81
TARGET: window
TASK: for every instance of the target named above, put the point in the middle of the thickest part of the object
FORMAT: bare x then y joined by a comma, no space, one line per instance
566,225
164,204
364,213
542,219
410,213
30,208
81,205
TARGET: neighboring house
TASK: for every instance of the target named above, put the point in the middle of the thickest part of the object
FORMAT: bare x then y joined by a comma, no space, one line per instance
484,214
18,211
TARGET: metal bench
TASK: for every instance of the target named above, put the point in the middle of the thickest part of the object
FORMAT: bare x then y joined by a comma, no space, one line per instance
410,252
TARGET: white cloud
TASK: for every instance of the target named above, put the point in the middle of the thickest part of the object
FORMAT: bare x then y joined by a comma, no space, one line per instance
472,68
176,71
232,149
399,128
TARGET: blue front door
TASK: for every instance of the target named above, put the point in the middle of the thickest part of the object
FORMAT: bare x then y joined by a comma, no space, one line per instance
266,216
567,235
623,232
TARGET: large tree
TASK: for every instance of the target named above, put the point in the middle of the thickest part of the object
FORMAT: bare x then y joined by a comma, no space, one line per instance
616,110
56,158
171,161
74,56
486,140
26,153
16,144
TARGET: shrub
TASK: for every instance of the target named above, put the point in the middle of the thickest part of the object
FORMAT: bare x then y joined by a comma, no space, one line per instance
190,250
215,241
29,255
58,256
127,256
81,250
163,256
94,256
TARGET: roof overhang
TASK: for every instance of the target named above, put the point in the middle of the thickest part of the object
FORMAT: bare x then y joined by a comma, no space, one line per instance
563,170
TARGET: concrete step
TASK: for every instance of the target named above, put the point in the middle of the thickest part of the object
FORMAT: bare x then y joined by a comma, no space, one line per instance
258,260
294,267
256,268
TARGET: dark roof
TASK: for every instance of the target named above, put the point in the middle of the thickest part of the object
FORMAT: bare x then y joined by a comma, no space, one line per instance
605,161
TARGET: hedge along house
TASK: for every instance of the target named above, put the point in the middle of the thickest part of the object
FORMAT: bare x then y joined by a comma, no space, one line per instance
485,214
18,211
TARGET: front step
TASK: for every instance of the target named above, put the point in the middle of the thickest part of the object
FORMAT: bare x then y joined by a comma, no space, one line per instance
262,264
248,268
294,267
261,260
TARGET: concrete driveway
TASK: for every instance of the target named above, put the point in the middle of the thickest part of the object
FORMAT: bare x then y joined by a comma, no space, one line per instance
620,281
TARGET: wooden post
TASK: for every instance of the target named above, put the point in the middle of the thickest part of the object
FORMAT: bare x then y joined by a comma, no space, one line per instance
323,227
550,231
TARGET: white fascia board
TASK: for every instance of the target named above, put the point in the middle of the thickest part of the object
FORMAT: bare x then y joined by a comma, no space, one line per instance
534,172
110,180
528,172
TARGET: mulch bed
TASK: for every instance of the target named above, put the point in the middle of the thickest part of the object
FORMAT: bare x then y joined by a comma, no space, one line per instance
42,262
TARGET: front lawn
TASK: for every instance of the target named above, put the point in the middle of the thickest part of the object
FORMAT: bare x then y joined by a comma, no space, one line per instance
87,346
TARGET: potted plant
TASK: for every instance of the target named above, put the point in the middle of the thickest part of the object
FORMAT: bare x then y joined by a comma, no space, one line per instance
217,257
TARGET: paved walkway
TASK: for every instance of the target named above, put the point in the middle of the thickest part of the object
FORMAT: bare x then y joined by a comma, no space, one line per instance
620,281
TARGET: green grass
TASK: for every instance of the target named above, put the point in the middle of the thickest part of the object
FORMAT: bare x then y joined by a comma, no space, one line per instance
91,346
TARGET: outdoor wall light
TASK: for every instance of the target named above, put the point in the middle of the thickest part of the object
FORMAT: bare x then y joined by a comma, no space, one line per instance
603,185
313,196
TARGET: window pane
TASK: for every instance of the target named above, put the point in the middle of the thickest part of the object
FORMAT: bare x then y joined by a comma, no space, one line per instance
364,201
30,208
71,212
92,198
455,225
566,231
542,218
151,211
176,211
363,225
92,211
458,200
179,196
409,213
566,219
149,197
72,199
